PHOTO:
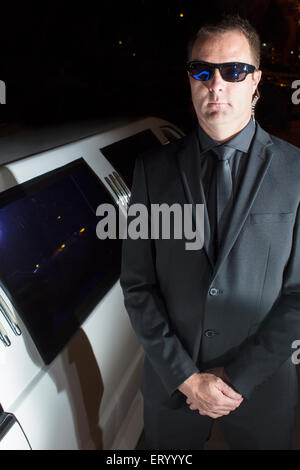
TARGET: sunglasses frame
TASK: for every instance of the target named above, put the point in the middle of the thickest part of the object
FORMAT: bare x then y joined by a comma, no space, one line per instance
250,69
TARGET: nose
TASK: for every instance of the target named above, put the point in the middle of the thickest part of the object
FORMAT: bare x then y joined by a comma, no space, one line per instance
217,82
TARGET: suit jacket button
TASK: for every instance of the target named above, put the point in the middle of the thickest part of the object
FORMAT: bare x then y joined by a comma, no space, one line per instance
210,333
214,291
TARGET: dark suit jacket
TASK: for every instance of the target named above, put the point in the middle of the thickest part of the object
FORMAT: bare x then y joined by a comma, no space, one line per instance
243,312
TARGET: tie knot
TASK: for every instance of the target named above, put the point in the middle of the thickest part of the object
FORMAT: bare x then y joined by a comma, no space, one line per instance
224,152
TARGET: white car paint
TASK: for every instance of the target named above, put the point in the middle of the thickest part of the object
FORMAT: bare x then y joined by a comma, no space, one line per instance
88,397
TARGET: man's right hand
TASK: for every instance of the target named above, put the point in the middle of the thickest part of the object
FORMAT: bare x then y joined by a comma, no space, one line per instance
210,395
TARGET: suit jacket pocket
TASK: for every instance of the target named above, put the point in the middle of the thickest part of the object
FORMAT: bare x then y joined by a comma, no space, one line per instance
270,217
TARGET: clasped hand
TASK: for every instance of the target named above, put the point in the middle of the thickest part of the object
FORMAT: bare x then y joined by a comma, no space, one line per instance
209,394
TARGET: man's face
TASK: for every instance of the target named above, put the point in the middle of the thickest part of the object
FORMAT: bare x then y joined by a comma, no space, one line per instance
218,103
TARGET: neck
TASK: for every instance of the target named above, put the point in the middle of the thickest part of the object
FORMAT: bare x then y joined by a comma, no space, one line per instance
223,133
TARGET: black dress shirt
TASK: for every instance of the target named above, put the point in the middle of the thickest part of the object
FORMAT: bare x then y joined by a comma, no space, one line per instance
238,162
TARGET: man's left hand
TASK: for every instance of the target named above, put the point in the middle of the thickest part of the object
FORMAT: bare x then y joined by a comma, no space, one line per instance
219,372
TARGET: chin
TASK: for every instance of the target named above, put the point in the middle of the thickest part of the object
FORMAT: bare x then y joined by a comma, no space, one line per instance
217,116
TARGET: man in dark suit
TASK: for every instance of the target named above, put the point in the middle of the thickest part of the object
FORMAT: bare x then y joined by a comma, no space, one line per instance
217,324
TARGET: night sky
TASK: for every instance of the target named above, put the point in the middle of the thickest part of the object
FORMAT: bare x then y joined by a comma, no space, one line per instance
63,61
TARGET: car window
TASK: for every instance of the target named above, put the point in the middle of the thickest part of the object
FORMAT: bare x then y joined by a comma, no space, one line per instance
53,267
122,154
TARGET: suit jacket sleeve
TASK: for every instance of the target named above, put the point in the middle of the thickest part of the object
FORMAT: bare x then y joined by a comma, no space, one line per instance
263,353
145,303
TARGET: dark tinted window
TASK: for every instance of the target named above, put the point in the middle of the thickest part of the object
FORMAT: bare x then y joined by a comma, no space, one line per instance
53,266
122,154
170,133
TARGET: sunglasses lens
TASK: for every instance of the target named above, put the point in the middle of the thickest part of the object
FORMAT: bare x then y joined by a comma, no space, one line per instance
234,72
201,72
231,72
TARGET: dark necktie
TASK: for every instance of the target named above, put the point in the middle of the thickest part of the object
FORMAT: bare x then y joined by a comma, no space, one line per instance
223,186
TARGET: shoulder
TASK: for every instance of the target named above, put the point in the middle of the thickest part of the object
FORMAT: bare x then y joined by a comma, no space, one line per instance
166,155
279,144
285,152
285,146
288,157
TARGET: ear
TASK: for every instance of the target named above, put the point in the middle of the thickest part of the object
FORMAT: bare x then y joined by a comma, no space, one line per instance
256,79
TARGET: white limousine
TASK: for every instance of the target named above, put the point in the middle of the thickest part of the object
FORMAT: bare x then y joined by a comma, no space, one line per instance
70,363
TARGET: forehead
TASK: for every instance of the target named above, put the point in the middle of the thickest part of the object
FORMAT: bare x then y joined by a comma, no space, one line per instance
231,46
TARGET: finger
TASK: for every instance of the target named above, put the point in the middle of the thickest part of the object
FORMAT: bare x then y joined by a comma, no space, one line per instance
217,405
225,403
193,407
220,411
220,403
215,415
211,414
225,408
210,408
228,391
217,402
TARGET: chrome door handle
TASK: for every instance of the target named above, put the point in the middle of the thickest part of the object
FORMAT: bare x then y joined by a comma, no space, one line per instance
3,336
12,435
7,420
9,317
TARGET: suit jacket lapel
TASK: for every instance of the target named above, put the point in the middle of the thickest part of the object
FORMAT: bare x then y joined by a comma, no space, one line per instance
189,168
260,157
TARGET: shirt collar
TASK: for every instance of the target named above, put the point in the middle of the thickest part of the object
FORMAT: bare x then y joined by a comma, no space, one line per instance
241,141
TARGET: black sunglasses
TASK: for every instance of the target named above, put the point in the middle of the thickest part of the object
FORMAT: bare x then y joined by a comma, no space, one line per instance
230,71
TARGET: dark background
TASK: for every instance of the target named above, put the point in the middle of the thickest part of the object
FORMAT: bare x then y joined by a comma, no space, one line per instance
68,61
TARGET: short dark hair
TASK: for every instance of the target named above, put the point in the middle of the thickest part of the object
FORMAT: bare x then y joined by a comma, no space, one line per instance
229,23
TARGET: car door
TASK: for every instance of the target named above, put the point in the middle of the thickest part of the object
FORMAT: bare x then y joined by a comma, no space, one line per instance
12,435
